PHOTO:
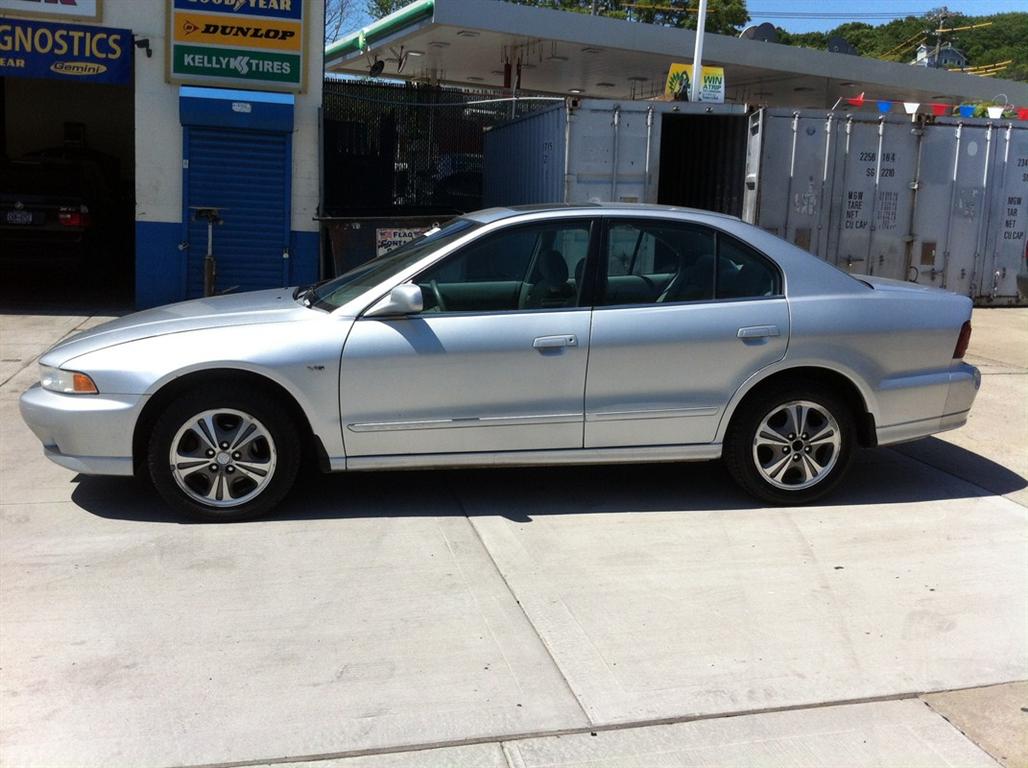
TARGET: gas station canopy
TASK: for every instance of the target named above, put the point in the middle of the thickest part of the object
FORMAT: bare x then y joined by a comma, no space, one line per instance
479,44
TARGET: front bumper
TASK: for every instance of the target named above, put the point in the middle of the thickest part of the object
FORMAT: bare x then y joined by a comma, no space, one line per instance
957,390
90,434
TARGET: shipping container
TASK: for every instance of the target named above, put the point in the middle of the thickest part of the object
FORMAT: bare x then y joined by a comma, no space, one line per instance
939,202
675,153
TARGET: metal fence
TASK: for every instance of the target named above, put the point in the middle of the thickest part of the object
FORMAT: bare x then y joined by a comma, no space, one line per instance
406,149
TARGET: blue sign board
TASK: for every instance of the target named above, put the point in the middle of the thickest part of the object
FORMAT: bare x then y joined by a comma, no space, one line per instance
55,50
271,9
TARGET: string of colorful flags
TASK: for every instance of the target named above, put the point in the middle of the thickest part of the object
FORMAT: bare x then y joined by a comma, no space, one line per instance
994,112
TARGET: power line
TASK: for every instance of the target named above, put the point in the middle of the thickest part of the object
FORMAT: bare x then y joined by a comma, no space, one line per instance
835,15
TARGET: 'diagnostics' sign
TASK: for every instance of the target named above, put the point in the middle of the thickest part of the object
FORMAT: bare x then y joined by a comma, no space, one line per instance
59,51
679,80
255,44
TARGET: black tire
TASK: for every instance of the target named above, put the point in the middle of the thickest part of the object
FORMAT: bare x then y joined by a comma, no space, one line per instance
744,460
282,443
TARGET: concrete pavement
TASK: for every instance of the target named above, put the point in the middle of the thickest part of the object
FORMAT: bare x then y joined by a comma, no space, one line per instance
502,617
991,450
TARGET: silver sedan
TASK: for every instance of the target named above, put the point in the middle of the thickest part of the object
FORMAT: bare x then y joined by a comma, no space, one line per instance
561,335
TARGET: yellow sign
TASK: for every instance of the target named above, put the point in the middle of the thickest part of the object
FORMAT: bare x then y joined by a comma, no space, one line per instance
254,44
210,29
679,83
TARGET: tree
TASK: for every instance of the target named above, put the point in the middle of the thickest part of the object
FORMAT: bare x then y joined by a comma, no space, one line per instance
379,8
725,17
338,15
1004,39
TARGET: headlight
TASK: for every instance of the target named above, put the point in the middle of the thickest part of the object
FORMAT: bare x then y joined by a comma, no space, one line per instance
70,382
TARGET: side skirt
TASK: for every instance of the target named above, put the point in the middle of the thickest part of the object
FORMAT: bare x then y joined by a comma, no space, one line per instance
633,455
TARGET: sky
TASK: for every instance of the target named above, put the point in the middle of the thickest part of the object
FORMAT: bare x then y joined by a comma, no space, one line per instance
871,11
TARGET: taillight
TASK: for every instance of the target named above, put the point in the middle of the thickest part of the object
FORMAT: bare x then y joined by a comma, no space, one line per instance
963,341
70,217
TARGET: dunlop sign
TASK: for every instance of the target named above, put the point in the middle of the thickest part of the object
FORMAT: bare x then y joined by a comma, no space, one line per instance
247,43
59,51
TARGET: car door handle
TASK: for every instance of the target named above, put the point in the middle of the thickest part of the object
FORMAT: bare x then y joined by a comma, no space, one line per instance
758,331
556,342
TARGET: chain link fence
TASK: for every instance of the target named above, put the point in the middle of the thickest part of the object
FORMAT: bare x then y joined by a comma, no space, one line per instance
394,150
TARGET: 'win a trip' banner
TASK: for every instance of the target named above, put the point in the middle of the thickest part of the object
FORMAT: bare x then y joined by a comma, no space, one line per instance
245,43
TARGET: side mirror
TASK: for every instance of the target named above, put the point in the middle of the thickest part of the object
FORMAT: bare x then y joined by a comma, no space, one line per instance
404,299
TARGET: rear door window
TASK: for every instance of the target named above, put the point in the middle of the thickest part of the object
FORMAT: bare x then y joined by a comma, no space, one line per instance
657,262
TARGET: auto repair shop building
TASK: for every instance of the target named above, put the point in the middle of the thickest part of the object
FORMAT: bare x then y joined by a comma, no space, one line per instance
183,105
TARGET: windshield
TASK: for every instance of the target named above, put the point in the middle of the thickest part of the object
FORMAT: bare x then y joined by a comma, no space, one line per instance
336,292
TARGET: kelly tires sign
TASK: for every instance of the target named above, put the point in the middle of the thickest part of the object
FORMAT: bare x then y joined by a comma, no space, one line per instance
255,44
59,51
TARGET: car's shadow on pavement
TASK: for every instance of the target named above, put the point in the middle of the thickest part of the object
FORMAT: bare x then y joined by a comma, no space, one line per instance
877,477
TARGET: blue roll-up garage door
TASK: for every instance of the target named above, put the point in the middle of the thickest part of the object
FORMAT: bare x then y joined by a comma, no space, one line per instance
237,158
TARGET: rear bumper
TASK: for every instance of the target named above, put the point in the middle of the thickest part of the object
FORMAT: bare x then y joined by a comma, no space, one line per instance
90,434
961,388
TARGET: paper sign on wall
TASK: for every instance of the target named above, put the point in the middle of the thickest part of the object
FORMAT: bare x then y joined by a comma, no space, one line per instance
387,239
679,83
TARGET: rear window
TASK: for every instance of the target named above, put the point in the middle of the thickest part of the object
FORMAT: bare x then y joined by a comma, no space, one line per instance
41,179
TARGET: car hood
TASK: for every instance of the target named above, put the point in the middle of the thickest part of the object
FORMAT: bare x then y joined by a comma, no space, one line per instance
272,306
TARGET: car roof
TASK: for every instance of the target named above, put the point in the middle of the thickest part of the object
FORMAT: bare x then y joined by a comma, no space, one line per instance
489,215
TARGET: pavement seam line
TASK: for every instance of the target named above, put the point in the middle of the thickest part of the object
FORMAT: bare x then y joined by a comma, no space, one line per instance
591,729
517,602
961,731
36,357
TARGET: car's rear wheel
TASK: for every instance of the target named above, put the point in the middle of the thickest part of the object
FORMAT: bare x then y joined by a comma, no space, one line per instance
219,456
791,445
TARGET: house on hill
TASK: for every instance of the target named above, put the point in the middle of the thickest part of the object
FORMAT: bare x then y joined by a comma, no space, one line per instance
948,57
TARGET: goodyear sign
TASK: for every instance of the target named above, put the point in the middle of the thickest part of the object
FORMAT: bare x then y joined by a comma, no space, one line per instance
65,51
244,43
679,80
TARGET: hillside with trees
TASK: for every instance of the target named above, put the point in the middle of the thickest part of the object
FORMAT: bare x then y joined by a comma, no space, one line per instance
1004,39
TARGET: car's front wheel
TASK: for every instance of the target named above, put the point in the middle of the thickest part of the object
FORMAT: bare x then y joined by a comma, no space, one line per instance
224,456
791,445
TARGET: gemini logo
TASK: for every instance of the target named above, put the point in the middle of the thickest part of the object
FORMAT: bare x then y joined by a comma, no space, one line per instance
77,68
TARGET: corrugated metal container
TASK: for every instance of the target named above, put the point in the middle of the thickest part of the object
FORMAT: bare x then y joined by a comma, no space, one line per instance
524,159
602,150
937,202
976,172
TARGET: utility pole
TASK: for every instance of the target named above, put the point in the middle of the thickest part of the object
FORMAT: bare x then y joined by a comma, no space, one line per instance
697,56
939,33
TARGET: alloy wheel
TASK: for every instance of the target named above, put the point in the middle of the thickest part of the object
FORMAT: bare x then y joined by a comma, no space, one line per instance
223,458
796,445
